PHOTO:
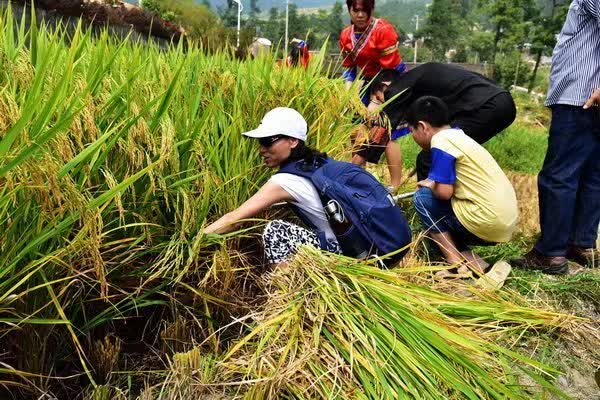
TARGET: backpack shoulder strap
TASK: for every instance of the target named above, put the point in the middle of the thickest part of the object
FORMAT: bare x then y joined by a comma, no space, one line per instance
303,169
300,168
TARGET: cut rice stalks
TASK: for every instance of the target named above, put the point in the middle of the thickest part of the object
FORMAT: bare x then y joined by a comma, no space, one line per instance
333,327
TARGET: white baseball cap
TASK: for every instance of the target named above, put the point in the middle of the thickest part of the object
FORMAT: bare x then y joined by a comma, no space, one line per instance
264,41
281,121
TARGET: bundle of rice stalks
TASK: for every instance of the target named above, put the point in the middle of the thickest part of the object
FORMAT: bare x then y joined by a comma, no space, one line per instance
335,328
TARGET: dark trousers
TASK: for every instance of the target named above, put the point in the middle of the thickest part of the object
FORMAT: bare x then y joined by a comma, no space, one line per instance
437,216
482,124
569,182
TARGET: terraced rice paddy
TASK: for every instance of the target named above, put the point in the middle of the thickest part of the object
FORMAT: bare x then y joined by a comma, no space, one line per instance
114,155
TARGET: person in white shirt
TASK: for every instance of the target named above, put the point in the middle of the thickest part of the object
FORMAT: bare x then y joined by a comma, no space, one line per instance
282,136
360,218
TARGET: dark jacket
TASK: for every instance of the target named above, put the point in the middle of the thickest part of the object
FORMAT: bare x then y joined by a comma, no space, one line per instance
461,90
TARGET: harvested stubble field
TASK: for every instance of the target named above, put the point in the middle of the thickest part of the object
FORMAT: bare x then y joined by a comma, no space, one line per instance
113,156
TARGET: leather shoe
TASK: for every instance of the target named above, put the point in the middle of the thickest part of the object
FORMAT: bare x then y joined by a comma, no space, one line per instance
534,260
585,257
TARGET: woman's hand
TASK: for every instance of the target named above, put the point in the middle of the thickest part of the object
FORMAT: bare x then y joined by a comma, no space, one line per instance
268,195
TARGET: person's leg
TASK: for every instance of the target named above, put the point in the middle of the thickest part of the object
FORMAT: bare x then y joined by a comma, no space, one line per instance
448,247
359,160
582,241
570,146
359,152
369,145
393,154
463,239
282,240
477,264
434,213
487,121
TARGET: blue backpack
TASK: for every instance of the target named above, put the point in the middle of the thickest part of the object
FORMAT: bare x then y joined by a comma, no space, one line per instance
378,224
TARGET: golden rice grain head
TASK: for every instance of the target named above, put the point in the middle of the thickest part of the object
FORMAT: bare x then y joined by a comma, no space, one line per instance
177,335
104,357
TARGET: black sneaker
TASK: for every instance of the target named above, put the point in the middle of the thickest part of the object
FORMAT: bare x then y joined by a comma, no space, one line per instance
536,261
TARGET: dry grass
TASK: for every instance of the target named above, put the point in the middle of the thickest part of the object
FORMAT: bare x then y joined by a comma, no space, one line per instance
527,196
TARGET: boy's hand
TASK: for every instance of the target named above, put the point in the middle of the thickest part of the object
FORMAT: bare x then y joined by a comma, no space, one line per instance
428,183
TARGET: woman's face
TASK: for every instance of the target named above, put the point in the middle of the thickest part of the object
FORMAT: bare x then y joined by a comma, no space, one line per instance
359,15
275,150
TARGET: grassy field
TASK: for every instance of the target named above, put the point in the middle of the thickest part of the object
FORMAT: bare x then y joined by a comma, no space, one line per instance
114,155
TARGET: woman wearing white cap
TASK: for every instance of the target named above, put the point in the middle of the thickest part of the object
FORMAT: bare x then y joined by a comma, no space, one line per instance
282,135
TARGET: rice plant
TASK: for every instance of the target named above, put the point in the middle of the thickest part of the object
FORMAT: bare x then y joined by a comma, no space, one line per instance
113,155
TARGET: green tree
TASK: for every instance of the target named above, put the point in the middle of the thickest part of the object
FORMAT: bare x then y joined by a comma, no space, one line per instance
298,24
229,14
509,20
444,26
253,20
481,44
199,21
273,27
336,22
400,13
543,34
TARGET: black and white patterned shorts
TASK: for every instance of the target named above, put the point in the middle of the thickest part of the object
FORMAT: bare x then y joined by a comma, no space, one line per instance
283,239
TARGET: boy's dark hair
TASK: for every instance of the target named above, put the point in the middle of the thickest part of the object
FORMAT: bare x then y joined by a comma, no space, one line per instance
430,109
369,5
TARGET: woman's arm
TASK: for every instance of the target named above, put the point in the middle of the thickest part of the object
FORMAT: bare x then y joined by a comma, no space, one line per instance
387,43
268,195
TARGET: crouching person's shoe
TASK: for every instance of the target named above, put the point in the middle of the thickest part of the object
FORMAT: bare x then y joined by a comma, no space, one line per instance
534,260
585,257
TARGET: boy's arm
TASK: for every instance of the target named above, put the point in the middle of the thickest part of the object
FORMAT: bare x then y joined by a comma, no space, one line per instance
442,191
442,176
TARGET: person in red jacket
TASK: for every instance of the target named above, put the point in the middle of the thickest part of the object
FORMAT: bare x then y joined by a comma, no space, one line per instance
369,45
299,55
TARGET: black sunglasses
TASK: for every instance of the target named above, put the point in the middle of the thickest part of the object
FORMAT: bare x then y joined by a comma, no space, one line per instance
269,140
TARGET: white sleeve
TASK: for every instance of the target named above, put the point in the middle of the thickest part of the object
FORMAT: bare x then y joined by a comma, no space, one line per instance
299,188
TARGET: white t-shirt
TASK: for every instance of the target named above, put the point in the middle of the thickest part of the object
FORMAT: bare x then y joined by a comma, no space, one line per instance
307,199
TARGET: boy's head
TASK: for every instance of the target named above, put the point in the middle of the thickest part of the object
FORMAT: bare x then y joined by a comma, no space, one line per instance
427,116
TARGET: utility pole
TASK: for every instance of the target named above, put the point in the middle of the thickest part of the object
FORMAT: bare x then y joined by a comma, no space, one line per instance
416,19
240,8
287,22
